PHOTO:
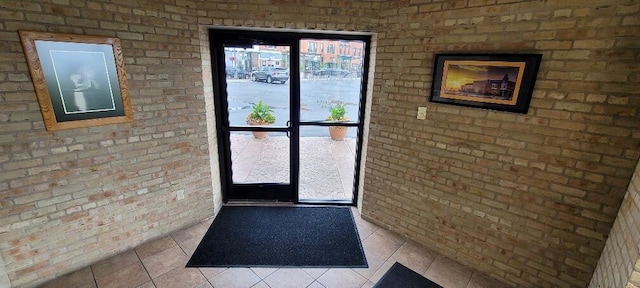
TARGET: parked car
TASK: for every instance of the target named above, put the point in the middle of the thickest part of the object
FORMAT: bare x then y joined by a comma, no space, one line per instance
270,74
237,73
331,72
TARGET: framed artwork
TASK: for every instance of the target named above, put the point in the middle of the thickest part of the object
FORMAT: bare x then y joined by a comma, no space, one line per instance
79,80
492,81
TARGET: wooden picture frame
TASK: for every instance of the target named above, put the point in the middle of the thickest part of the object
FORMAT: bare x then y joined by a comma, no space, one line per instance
501,82
79,80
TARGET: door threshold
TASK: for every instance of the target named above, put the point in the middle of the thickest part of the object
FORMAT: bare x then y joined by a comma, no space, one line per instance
257,203
283,204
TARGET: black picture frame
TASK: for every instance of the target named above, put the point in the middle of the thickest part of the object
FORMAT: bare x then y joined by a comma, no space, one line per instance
502,82
79,80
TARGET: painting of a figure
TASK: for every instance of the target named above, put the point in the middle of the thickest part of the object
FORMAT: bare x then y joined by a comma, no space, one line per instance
80,80
83,79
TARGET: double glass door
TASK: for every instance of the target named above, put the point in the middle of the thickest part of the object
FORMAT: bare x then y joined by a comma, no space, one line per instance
289,109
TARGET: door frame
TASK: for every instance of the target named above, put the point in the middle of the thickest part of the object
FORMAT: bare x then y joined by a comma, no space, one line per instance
248,37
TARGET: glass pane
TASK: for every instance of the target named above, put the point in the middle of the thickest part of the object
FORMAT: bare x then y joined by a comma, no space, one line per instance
327,167
258,74
331,75
260,160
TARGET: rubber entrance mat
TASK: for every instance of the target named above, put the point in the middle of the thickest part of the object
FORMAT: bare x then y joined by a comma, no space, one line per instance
281,237
399,276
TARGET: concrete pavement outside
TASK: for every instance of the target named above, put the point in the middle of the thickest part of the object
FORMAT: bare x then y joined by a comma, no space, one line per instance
327,167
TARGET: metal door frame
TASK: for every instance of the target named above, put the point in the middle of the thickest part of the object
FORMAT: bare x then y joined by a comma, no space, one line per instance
218,37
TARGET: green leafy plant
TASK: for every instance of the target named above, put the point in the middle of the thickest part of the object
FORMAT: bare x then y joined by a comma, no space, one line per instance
337,112
261,114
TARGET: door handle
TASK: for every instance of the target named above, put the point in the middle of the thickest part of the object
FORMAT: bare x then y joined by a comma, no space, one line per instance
288,128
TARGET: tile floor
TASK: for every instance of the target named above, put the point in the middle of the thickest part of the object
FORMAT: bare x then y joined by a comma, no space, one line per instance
160,263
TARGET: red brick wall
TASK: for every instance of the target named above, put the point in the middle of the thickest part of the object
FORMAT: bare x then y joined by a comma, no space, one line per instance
529,199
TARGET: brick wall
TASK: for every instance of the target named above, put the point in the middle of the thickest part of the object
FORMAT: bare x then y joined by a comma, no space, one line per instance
71,198
528,199
212,141
621,253
634,279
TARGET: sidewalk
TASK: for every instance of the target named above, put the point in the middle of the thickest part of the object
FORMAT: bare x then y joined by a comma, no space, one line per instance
327,167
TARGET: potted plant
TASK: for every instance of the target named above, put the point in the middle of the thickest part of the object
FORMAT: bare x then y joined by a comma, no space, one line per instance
261,115
337,114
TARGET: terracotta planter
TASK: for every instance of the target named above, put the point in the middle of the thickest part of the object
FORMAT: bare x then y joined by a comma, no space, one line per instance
259,134
337,133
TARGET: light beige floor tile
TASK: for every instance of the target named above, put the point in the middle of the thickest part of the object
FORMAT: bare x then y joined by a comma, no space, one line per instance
364,223
149,249
341,278
205,284
374,261
263,272
390,235
189,246
235,278
207,222
316,284
315,272
194,232
261,284
365,228
212,272
180,277
381,245
129,276
368,284
383,269
288,278
413,257
364,232
115,263
79,279
147,285
165,261
479,280
448,273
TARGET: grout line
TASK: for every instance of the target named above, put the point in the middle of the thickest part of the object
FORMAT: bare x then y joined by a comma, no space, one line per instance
265,277
187,254
469,283
183,251
143,266
95,281
265,283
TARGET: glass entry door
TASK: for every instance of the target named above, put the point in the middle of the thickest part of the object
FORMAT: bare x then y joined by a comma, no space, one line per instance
330,117
280,98
255,105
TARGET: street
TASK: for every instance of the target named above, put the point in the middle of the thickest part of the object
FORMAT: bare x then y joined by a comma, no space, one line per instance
317,95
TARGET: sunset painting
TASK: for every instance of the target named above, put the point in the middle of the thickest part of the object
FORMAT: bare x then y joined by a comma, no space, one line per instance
482,81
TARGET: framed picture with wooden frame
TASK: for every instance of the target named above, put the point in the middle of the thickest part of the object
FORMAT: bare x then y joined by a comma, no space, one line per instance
502,82
79,80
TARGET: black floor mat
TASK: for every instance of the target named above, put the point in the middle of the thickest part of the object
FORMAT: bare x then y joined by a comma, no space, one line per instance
281,237
399,276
